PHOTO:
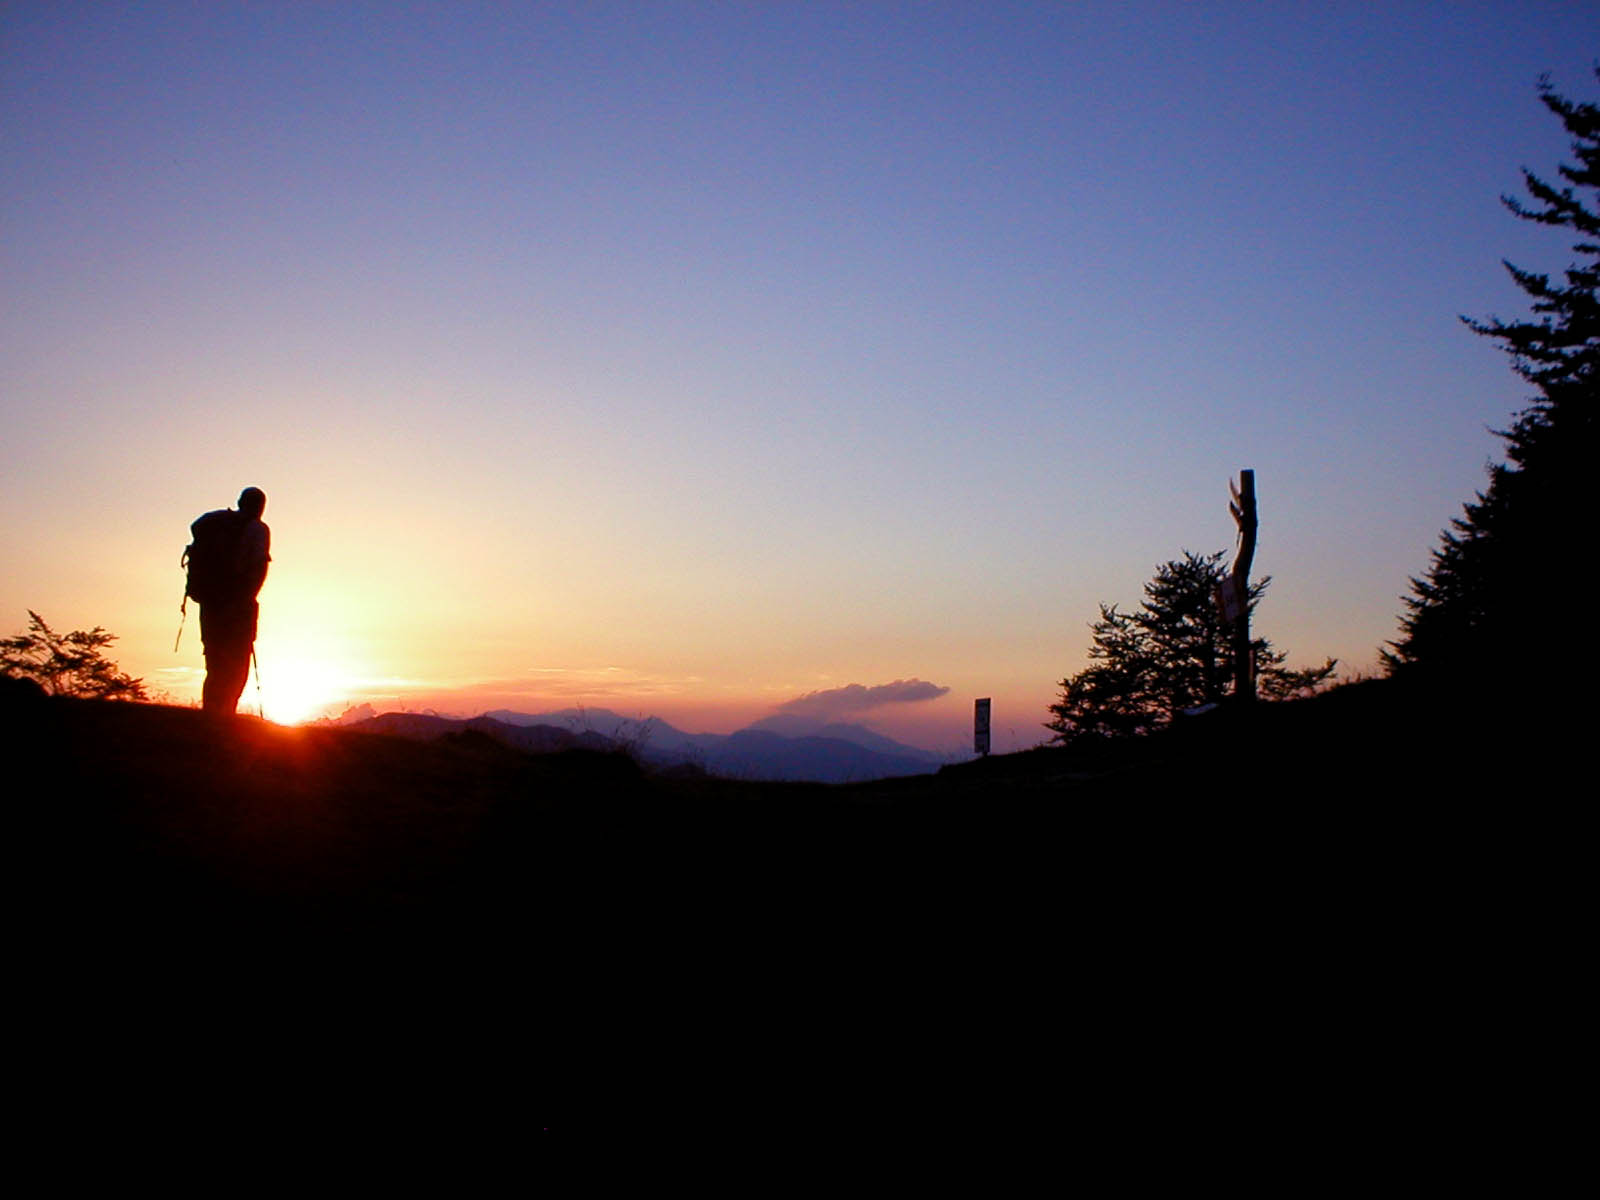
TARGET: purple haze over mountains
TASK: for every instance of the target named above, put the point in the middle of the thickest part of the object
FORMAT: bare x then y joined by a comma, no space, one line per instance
781,747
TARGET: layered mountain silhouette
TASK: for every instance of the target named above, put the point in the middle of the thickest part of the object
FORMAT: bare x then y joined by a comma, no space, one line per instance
779,748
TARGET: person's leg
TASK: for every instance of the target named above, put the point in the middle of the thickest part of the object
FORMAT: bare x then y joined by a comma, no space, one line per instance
235,675
228,636
211,690
227,669
213,636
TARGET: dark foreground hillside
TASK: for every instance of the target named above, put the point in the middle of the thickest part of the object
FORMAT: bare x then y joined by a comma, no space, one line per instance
1294,921
322,831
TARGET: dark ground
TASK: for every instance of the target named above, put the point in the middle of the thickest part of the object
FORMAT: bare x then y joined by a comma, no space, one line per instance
1249,941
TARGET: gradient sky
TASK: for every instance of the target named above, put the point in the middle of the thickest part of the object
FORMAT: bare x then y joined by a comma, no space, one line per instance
685,358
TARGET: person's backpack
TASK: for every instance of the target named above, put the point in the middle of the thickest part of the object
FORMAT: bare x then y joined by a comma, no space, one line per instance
212,559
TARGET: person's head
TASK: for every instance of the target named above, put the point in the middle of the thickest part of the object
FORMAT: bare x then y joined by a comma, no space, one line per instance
252,502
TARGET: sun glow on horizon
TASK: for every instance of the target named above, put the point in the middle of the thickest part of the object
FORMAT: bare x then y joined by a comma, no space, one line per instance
297,689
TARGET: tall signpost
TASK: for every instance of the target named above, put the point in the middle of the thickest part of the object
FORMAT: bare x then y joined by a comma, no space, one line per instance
1236,588
980,727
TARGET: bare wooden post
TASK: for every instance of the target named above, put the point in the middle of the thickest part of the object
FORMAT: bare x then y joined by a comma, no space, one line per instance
1243,507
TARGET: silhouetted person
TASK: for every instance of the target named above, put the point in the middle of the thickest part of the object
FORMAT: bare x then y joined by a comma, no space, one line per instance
227,564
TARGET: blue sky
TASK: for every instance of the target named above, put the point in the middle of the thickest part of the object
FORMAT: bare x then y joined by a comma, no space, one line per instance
691,357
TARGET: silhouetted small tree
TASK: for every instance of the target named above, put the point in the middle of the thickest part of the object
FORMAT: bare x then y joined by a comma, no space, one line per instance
67,664
1173,653
1510,553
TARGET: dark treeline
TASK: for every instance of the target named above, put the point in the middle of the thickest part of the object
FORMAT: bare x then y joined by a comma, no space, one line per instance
1491,603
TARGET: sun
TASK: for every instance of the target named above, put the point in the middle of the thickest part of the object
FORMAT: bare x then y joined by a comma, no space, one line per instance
297,689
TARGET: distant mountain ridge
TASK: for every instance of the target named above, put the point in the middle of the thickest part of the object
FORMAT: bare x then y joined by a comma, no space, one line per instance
531,739
794,751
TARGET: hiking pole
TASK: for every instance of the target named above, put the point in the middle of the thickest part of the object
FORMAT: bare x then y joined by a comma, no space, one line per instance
261,710
183,605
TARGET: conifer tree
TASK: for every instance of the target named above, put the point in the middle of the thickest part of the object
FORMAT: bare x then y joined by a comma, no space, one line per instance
1509,555
1173,653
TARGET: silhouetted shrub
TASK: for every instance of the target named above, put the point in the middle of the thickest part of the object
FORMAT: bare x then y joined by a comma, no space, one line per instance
67,664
